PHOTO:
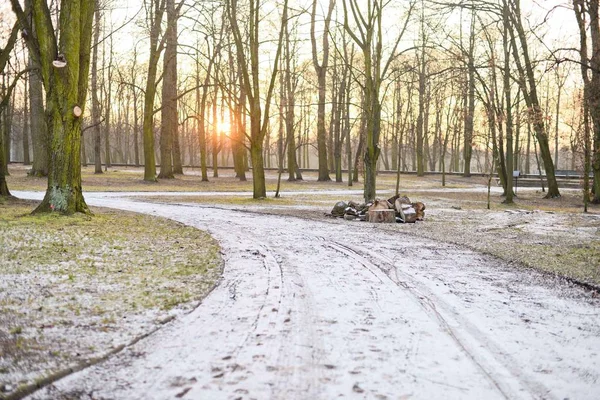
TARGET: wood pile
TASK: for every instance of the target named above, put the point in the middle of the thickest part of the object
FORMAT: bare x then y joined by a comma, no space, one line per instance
395,209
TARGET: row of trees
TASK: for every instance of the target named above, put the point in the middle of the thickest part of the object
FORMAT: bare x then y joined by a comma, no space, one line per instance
421,85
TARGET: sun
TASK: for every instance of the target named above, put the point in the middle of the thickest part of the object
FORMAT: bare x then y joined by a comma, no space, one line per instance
224,126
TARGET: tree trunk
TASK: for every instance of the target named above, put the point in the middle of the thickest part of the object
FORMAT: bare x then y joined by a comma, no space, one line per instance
508,111
168,126
136,128
470,112
6,119
107,112
238,137
202,139
215,136
339,139
258,170
95,101
39,129
372,150
4,192
26,157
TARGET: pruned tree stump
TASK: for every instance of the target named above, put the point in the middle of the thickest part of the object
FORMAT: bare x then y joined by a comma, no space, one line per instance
382,216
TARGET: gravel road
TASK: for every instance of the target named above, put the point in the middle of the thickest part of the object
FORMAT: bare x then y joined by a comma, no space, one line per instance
326,309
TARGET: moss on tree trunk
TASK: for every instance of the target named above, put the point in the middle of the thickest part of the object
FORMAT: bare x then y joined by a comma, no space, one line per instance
64,192
4,192
64,67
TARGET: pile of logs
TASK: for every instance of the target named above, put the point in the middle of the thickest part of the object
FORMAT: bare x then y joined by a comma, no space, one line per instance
395,209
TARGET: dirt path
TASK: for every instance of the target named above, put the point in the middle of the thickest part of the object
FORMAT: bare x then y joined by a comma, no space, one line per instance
320,310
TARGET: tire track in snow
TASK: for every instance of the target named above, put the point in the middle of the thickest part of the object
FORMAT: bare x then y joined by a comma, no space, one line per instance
501,369
375,271
428,305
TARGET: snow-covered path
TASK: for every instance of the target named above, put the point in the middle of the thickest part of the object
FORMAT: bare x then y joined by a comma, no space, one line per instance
320,310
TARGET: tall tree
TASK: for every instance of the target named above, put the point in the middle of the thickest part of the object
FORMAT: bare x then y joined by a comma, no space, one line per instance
96,110
470,111
107,90
4,58
26,152
39,128
588,21
529,88
201,113
135,90
168,124
64,65
368,36
508,106
249,67
421,128
155,12
291,80
321,70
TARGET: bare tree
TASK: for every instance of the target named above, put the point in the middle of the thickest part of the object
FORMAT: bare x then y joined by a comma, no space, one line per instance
155,10
169,119
588,21
369,38
96,111
321,70
529,88
249,67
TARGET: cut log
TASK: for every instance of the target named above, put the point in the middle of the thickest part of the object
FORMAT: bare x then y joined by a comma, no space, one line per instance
408,214
382,216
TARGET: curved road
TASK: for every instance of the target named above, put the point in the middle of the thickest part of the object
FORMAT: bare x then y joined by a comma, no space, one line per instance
331,309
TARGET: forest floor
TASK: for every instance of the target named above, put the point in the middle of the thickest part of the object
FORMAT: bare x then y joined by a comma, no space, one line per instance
465,292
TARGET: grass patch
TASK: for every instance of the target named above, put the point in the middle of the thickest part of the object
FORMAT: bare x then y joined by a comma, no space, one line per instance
76,286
